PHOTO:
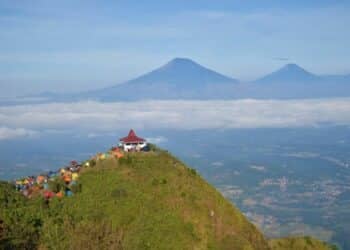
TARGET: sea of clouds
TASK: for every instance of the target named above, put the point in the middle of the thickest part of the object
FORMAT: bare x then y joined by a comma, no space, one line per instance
97,117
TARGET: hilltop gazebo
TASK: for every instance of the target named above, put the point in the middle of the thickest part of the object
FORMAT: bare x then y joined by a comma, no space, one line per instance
132,142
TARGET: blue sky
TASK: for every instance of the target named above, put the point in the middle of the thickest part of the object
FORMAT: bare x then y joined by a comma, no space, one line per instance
72,45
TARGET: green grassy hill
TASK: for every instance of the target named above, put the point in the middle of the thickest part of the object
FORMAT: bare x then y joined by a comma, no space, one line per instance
299,243
142,201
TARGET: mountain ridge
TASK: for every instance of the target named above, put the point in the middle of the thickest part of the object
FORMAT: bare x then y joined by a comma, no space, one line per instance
183,78
145,200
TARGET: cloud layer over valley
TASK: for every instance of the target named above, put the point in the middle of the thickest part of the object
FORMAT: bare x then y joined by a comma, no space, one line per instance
88,116
10,133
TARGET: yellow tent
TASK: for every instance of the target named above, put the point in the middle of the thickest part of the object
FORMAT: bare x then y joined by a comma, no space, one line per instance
75,176
102,157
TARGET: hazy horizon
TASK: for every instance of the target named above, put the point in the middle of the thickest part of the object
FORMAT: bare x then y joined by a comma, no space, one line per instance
72,46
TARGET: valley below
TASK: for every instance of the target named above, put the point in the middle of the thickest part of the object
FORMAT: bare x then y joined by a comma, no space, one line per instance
288,182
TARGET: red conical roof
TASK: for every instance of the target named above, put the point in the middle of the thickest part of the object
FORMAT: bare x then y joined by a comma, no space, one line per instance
132,138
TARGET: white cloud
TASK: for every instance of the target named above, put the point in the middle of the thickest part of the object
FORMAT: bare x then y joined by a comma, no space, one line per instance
157,139
217,164
96,117
258,168
10,133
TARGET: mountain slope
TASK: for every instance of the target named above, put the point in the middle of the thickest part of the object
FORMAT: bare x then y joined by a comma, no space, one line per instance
183,78
180,78
290,73
141,201
294,82
293,73
337,78
297,243
145,201
182,72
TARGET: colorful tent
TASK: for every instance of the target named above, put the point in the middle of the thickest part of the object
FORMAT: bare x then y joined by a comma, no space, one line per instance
49,194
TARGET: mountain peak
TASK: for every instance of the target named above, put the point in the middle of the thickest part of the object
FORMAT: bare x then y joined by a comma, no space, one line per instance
293,67
182,63
182,60
179,78
182,72
290,72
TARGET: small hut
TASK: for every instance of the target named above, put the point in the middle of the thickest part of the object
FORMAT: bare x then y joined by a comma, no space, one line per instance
132,142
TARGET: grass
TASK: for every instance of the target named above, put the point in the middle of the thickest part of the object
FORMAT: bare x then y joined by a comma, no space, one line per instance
299,243
142,201
155,202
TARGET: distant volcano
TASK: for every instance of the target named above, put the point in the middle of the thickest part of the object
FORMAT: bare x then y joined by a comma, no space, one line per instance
182,72
183,78
180,78
289,73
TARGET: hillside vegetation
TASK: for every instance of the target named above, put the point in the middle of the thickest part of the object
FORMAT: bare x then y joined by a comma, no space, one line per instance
299,243
145,200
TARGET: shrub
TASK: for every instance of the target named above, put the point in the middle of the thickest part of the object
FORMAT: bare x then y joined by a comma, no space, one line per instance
152,147
193,171
92,162
119,193
56,185
125,160
155,182
76,188
308,240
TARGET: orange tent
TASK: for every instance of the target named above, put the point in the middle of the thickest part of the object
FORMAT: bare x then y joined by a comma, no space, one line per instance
40,179
67,177
118,154
59,194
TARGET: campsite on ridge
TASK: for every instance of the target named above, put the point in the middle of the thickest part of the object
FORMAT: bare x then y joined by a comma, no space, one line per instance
137,200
